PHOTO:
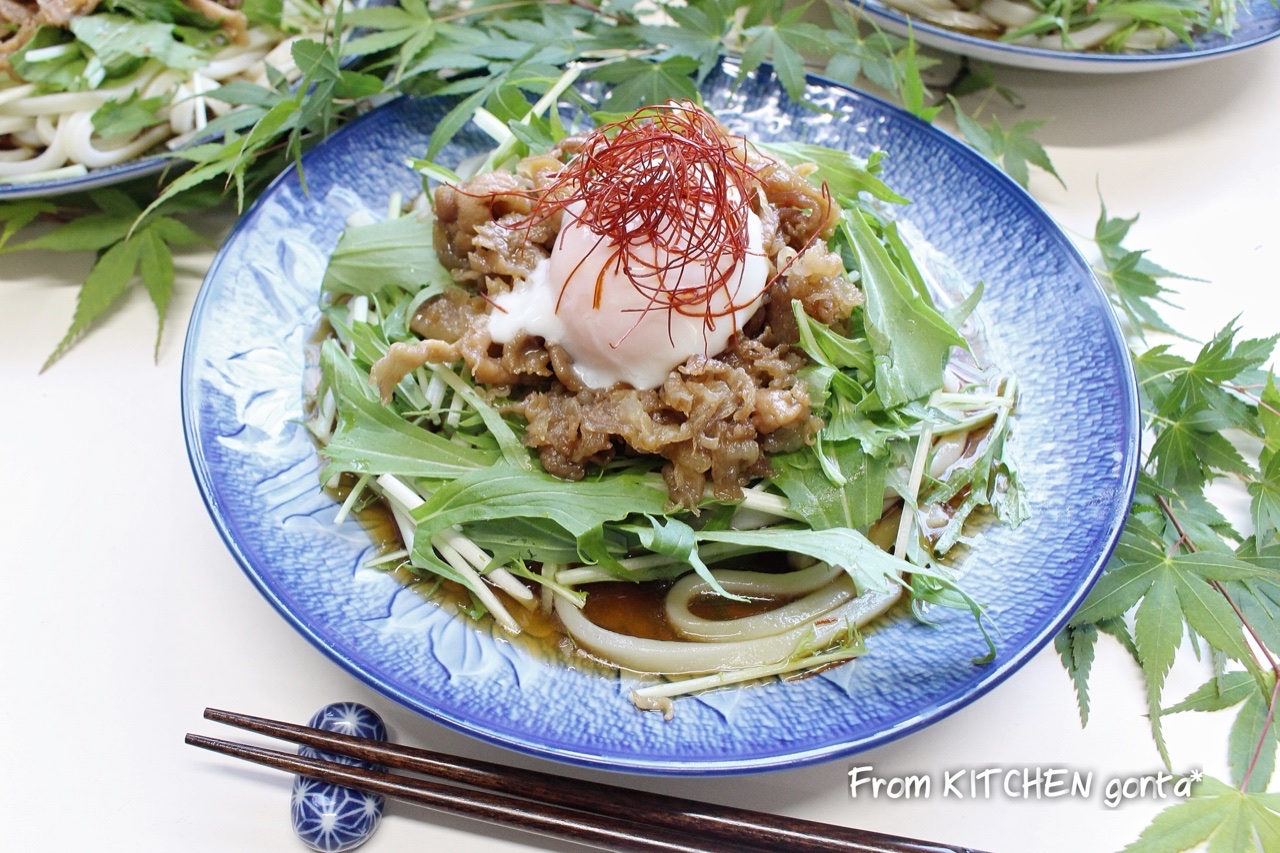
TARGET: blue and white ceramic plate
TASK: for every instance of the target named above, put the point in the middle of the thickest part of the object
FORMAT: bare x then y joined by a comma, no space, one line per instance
1258,22
142,167
1047,321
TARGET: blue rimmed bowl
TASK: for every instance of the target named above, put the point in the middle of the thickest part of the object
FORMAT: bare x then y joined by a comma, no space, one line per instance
1046,320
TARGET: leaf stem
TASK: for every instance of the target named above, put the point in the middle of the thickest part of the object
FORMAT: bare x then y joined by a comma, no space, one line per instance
1256,400
1262,737
1266,653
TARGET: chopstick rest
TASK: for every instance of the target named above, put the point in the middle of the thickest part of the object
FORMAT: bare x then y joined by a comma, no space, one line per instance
332,818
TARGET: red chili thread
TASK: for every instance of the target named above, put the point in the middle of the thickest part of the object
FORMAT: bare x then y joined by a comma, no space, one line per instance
667,179
670,177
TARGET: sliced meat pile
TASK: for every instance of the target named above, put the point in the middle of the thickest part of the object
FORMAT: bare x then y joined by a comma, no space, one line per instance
715,419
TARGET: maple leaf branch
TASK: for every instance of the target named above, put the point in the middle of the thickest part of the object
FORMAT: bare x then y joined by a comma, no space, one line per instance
1262,737
1243,391
1271,660
1217,585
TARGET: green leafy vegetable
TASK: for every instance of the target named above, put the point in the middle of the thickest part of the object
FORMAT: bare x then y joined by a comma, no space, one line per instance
119,42
397,252
911,340
130,115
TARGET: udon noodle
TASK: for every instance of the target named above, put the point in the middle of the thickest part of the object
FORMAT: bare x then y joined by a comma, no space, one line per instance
46,133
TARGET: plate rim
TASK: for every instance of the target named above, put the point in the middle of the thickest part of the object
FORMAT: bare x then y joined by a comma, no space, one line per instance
1044,59
737,765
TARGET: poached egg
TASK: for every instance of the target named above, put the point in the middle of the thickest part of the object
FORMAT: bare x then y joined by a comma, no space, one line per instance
633,335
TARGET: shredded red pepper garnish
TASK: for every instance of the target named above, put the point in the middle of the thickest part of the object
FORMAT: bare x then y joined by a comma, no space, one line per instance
667,178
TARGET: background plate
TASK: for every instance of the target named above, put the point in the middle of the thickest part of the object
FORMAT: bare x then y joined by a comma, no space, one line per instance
141,167
1259,21
1047,321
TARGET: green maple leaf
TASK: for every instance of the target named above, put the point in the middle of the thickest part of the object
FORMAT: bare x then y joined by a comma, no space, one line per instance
1217,693
409,27
1015,149
1265,503
129,249
637,83
1251,745
1200,383
1158,630
1259,600
699,33
1230,820
1190,449
1130,574
17,215
1134,280
1172,592
880,57
1075,647
785,42
1269,415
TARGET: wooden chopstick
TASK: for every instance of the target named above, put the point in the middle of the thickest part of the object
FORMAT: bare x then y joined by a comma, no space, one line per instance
548,820
603,815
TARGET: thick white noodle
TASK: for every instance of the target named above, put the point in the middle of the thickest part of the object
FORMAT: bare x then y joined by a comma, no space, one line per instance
162,83
824,588
53,156
688,657
1081,39
61,103
946,452
946,14
227,64
182,112
1007,13
15,124
1151,38
81,148
46,128
280,58
16,93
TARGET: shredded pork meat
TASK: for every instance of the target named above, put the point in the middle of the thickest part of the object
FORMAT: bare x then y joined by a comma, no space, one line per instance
715,419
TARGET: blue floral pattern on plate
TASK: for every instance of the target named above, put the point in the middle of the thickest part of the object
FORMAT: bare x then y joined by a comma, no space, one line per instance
1257,21
1047,321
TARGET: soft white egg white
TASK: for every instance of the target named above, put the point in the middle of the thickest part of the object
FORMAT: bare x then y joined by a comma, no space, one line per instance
629,337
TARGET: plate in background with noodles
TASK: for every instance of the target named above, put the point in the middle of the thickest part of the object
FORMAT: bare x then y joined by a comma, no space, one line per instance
48,117
1257,22
1046,320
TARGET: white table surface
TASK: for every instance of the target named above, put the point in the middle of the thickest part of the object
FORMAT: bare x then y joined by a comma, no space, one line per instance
122,615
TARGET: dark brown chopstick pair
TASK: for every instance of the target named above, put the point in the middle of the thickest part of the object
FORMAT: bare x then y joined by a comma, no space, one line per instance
604,816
